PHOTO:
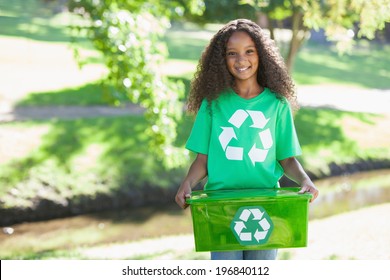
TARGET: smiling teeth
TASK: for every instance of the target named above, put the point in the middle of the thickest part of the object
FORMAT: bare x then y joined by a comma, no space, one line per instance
242,69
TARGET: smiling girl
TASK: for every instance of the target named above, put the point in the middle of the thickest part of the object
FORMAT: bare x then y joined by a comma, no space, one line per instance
243,134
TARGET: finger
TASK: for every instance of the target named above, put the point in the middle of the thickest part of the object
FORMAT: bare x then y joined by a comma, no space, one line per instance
303,190
180,201
315,195
184,204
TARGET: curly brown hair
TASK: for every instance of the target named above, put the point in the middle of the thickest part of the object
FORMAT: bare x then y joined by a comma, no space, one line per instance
213,77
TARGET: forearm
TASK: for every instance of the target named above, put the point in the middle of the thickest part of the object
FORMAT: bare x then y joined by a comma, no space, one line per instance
294,170
197,170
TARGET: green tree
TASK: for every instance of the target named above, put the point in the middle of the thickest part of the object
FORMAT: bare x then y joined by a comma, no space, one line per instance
222,11
128,34
337,17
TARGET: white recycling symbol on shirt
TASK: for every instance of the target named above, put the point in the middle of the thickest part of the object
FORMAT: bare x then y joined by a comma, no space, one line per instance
259,121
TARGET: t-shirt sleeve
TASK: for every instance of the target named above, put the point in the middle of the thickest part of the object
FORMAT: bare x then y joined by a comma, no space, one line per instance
287,143
199,139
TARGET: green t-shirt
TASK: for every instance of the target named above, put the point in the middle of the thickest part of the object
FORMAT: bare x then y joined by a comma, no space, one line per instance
244,140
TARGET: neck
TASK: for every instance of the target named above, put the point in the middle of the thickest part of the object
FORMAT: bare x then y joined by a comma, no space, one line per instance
247,90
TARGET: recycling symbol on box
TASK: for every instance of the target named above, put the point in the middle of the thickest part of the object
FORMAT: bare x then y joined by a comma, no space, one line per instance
251,225
259,121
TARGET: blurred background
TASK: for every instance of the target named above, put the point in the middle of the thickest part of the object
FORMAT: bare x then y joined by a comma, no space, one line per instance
93,126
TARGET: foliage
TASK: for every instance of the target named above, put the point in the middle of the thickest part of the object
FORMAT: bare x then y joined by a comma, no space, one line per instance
335,16
128,33
223,11
340,19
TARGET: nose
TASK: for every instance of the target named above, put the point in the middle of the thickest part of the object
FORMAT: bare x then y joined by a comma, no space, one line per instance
241,58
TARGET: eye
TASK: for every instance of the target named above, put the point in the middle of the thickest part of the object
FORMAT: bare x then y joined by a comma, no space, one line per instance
251,51
230,53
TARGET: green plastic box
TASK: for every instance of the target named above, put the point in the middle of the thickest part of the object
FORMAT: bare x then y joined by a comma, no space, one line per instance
249,219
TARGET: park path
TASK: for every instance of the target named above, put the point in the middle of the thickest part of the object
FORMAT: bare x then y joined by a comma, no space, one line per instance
12,114
337,97
345,98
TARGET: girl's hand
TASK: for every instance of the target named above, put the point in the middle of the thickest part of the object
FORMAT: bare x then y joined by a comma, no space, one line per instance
308,187
197,172
183,193
293,169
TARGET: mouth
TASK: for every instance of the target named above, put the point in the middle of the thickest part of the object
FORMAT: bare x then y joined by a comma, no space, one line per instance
242,69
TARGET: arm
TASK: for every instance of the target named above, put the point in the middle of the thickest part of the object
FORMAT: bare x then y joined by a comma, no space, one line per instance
293,170
197,172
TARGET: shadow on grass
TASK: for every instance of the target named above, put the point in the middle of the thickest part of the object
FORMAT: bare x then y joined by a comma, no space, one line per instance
365,67
88,94
321,127
190,49
94,93
321,136
26,27
185,44
35,20
124,161
318,126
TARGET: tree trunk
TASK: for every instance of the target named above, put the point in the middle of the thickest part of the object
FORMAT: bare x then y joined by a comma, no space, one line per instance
271,29
264,21
297,38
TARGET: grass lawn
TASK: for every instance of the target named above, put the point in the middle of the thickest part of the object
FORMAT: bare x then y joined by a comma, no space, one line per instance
37,58
83,157
366,66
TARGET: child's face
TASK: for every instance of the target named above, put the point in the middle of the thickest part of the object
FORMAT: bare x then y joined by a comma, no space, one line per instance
241,56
